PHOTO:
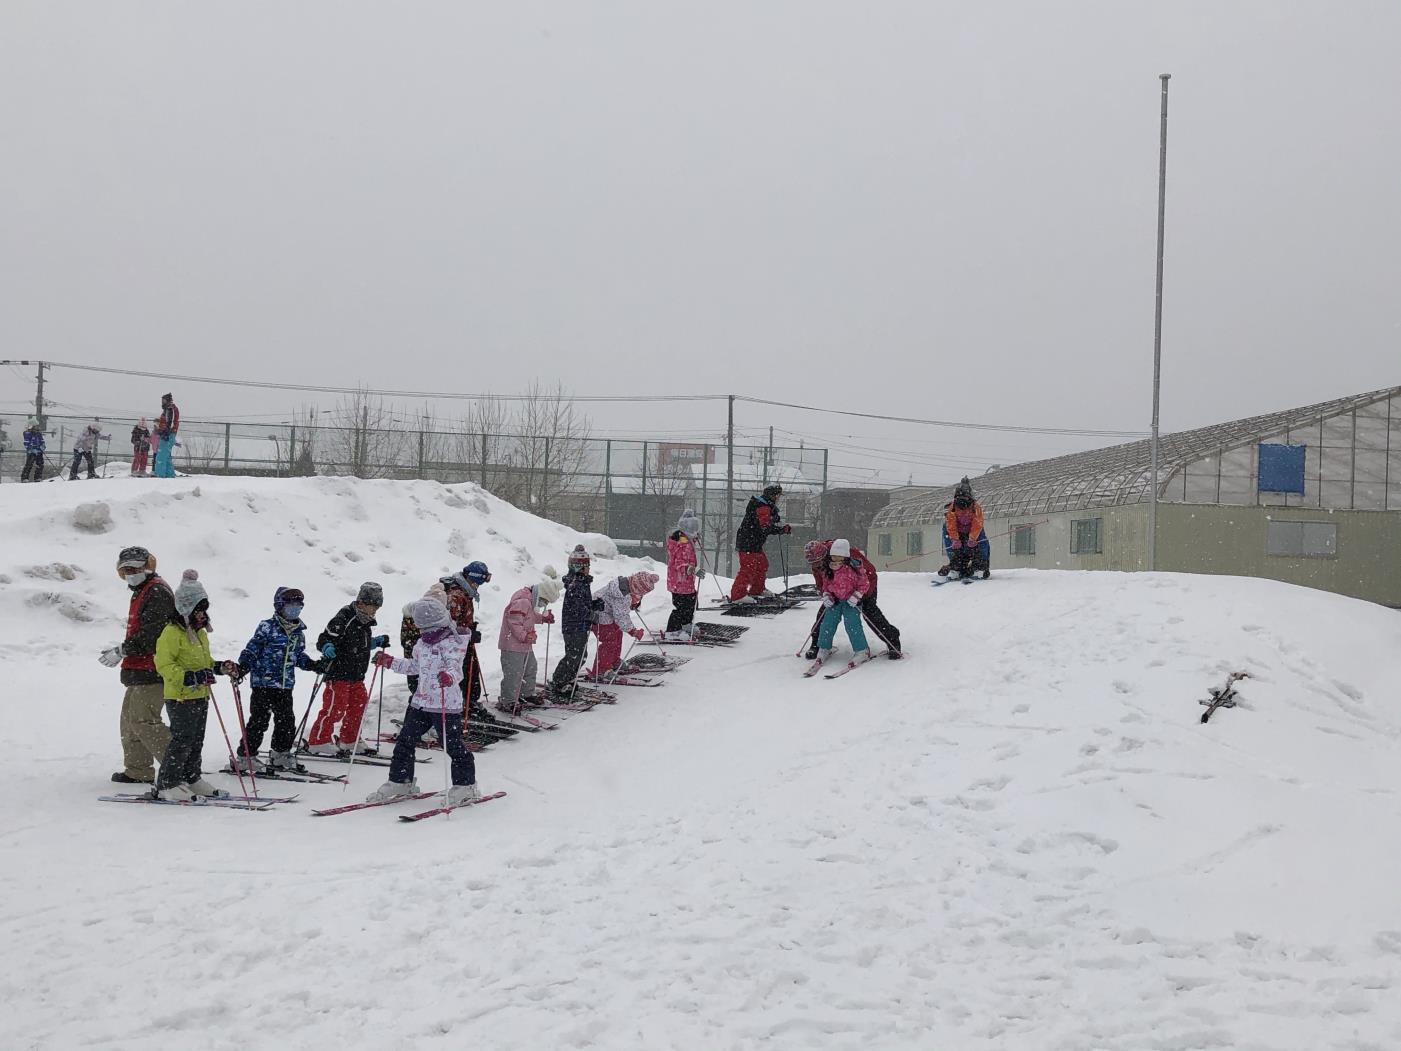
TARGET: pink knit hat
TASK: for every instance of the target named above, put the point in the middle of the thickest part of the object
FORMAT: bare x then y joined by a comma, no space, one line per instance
641,583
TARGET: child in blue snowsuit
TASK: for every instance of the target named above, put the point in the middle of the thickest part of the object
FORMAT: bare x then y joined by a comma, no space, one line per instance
33,454
273,655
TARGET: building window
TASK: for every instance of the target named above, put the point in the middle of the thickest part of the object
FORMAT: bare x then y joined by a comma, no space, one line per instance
884,546
1086,537
1023,540
914,543
1302,540
1282,468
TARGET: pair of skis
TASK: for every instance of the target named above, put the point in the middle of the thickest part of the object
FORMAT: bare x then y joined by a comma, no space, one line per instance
351,807
850,666
223,802
1225,697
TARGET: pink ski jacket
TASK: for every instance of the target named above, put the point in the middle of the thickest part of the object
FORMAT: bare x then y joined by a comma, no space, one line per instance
680,564
845,581
518,622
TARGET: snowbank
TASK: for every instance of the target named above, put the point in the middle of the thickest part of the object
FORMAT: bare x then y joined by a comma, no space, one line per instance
1019,838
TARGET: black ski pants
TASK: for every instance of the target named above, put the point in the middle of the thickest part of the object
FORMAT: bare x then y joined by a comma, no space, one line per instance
576,648
270,703
683,611
33,468
185,752
79,456
418,722
471,676
885,631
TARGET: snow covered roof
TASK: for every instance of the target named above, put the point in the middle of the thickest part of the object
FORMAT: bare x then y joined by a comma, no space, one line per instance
1120,474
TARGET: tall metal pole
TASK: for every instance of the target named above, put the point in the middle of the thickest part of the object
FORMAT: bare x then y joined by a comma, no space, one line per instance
39,397
730,485
1158,327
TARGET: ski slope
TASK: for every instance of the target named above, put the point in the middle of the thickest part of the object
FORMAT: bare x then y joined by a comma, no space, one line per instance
1022,837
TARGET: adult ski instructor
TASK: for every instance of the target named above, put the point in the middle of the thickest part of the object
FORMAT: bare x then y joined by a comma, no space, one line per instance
761,521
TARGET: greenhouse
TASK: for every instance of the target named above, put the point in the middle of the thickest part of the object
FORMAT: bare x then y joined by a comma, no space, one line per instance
1309,495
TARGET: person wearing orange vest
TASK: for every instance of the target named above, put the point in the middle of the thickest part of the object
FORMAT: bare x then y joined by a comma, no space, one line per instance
964,541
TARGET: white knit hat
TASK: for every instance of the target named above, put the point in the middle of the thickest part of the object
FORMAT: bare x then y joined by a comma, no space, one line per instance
840,549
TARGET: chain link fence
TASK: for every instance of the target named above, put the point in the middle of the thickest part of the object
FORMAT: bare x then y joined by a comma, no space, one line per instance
633,491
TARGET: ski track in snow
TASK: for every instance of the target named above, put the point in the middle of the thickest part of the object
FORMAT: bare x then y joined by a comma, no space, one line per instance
1021,837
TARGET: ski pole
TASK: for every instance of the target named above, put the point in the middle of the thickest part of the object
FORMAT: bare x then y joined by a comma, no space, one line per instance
655,637
447,767
301,727
243,731
811,636
718,589
355,745
783,554
379,715
613,672
229,744
550,625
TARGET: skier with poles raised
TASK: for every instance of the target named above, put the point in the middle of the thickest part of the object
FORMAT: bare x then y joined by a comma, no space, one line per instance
438,664
761,521
817,554
346,644
273,655
517,641
187,671
575,621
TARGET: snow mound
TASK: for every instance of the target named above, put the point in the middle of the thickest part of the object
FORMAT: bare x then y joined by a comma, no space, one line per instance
1022,837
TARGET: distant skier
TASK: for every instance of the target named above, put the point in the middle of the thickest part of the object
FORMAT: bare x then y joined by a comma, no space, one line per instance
965,543
33,453
682,572
187,671
167,427
273,655
346,644
437,666
83,449
144,736
761,521
842,591
817,552
140,448
620,597
575,621
517,641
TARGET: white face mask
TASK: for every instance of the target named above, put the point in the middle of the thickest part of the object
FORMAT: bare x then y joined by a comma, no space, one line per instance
135,580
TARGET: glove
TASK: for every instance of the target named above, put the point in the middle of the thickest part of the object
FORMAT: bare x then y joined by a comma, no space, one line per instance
787,529
204,677
957,545
379,642
548,618
382,659
637,633
854,601
233,670
700,574
111,658
444,679
329,651
828,602
476,635
530,636
319,667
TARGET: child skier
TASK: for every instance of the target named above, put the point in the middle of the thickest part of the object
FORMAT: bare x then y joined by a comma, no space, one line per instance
517,641
140,448
346,644
33,453
816,553
462,591
187,670
682,572
842,591
965,543
437,703
620,597
576,619
83,449
273,655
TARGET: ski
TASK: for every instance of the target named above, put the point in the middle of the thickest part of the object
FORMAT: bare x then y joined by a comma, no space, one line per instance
582,692
813,669
360,760
303,776
851,665
626,680
1225,697
228,804
450,809
650,663
474,744
367,805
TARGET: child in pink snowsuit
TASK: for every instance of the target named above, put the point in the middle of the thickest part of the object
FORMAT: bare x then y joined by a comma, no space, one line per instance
682,572
842,591
620,597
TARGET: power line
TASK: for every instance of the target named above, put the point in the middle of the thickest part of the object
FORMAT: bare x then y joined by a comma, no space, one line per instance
947,423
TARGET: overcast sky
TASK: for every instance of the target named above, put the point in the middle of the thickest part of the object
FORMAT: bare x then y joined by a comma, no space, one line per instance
925,209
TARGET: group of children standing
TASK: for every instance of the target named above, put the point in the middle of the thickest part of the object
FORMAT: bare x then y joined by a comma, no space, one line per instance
85,446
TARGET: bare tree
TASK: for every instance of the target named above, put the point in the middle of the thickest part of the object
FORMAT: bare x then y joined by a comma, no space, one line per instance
365,439
202,452
551,447
485,446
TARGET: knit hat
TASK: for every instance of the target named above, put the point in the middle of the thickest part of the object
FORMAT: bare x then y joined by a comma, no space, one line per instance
428,614
688,523
641,583
370,593
547,591
578,558
840,549
771,491
143,421
815,551
964,489
189,594
437,593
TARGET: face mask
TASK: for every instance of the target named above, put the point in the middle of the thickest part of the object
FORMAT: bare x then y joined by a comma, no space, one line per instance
292,612
135,580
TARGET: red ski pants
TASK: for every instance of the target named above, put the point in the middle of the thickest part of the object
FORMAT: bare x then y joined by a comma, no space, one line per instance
139,459
610,650
344,703
753,576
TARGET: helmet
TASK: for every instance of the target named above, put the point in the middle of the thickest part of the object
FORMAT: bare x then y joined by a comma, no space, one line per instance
476,572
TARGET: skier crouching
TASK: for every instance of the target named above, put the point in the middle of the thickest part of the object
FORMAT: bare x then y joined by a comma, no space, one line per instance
842,591
620,597
816,553
436,704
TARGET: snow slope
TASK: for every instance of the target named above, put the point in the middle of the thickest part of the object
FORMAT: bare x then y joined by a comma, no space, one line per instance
1020,838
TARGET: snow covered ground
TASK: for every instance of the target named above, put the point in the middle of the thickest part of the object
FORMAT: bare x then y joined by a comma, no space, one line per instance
1020,838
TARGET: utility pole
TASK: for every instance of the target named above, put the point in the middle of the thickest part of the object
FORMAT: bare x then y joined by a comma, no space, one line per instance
1158,325
730,483
38,390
